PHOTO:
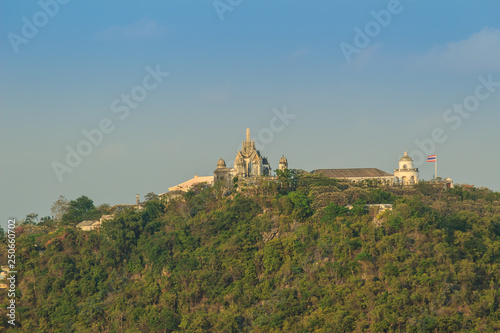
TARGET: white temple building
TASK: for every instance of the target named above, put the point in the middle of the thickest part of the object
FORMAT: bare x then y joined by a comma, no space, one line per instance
249,164
406,174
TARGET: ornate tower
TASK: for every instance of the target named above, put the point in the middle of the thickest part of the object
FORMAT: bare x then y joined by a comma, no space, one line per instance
248,145
283,163
406,174
248,163
224,174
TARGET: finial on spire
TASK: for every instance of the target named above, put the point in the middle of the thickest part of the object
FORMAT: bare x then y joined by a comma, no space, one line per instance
248,134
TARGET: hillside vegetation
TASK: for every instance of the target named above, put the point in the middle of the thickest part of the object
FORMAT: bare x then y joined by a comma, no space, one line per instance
280,257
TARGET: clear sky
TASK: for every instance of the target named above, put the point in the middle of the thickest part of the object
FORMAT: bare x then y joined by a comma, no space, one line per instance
355,84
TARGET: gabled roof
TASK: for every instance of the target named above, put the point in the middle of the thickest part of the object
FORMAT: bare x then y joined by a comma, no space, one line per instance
193,181
353,173
86,223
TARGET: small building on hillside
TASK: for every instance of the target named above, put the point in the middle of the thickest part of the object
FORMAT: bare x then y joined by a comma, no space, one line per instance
380,207
89,225
449,183
93,225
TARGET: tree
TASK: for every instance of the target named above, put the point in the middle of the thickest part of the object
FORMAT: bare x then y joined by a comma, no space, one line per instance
46,221
359,207
301,205
287,180
59,208
80,209
332,211
150,196
218,189
104,209
31,219
241,263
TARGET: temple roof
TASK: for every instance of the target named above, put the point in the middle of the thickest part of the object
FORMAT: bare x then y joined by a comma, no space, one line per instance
352,173
193,181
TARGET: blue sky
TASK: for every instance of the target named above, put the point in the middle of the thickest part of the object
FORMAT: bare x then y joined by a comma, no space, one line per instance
227,75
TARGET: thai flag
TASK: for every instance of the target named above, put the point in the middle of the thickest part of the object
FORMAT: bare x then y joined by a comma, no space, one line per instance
431,158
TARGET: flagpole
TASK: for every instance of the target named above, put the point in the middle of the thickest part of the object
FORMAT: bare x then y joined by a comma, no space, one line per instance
436,169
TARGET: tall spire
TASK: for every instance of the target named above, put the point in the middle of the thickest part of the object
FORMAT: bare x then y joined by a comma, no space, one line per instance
248,134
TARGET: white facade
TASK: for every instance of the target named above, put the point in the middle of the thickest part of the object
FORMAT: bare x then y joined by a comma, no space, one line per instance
249,165
249,162
406,174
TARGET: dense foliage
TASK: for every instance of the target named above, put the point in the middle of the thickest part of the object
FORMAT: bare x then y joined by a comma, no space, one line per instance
284,256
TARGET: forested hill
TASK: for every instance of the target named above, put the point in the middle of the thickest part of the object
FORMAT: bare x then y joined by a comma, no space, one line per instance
280,257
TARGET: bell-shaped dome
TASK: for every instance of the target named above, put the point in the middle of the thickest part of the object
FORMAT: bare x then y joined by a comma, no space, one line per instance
221,163
283,160
406,162
406,157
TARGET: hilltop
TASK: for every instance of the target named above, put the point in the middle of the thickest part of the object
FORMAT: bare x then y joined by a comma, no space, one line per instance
304,254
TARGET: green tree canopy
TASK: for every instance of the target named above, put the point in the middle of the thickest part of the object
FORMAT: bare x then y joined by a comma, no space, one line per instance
260,260
80,209
287,179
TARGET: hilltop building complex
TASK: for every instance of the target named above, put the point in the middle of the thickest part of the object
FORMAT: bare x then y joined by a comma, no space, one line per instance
249,165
